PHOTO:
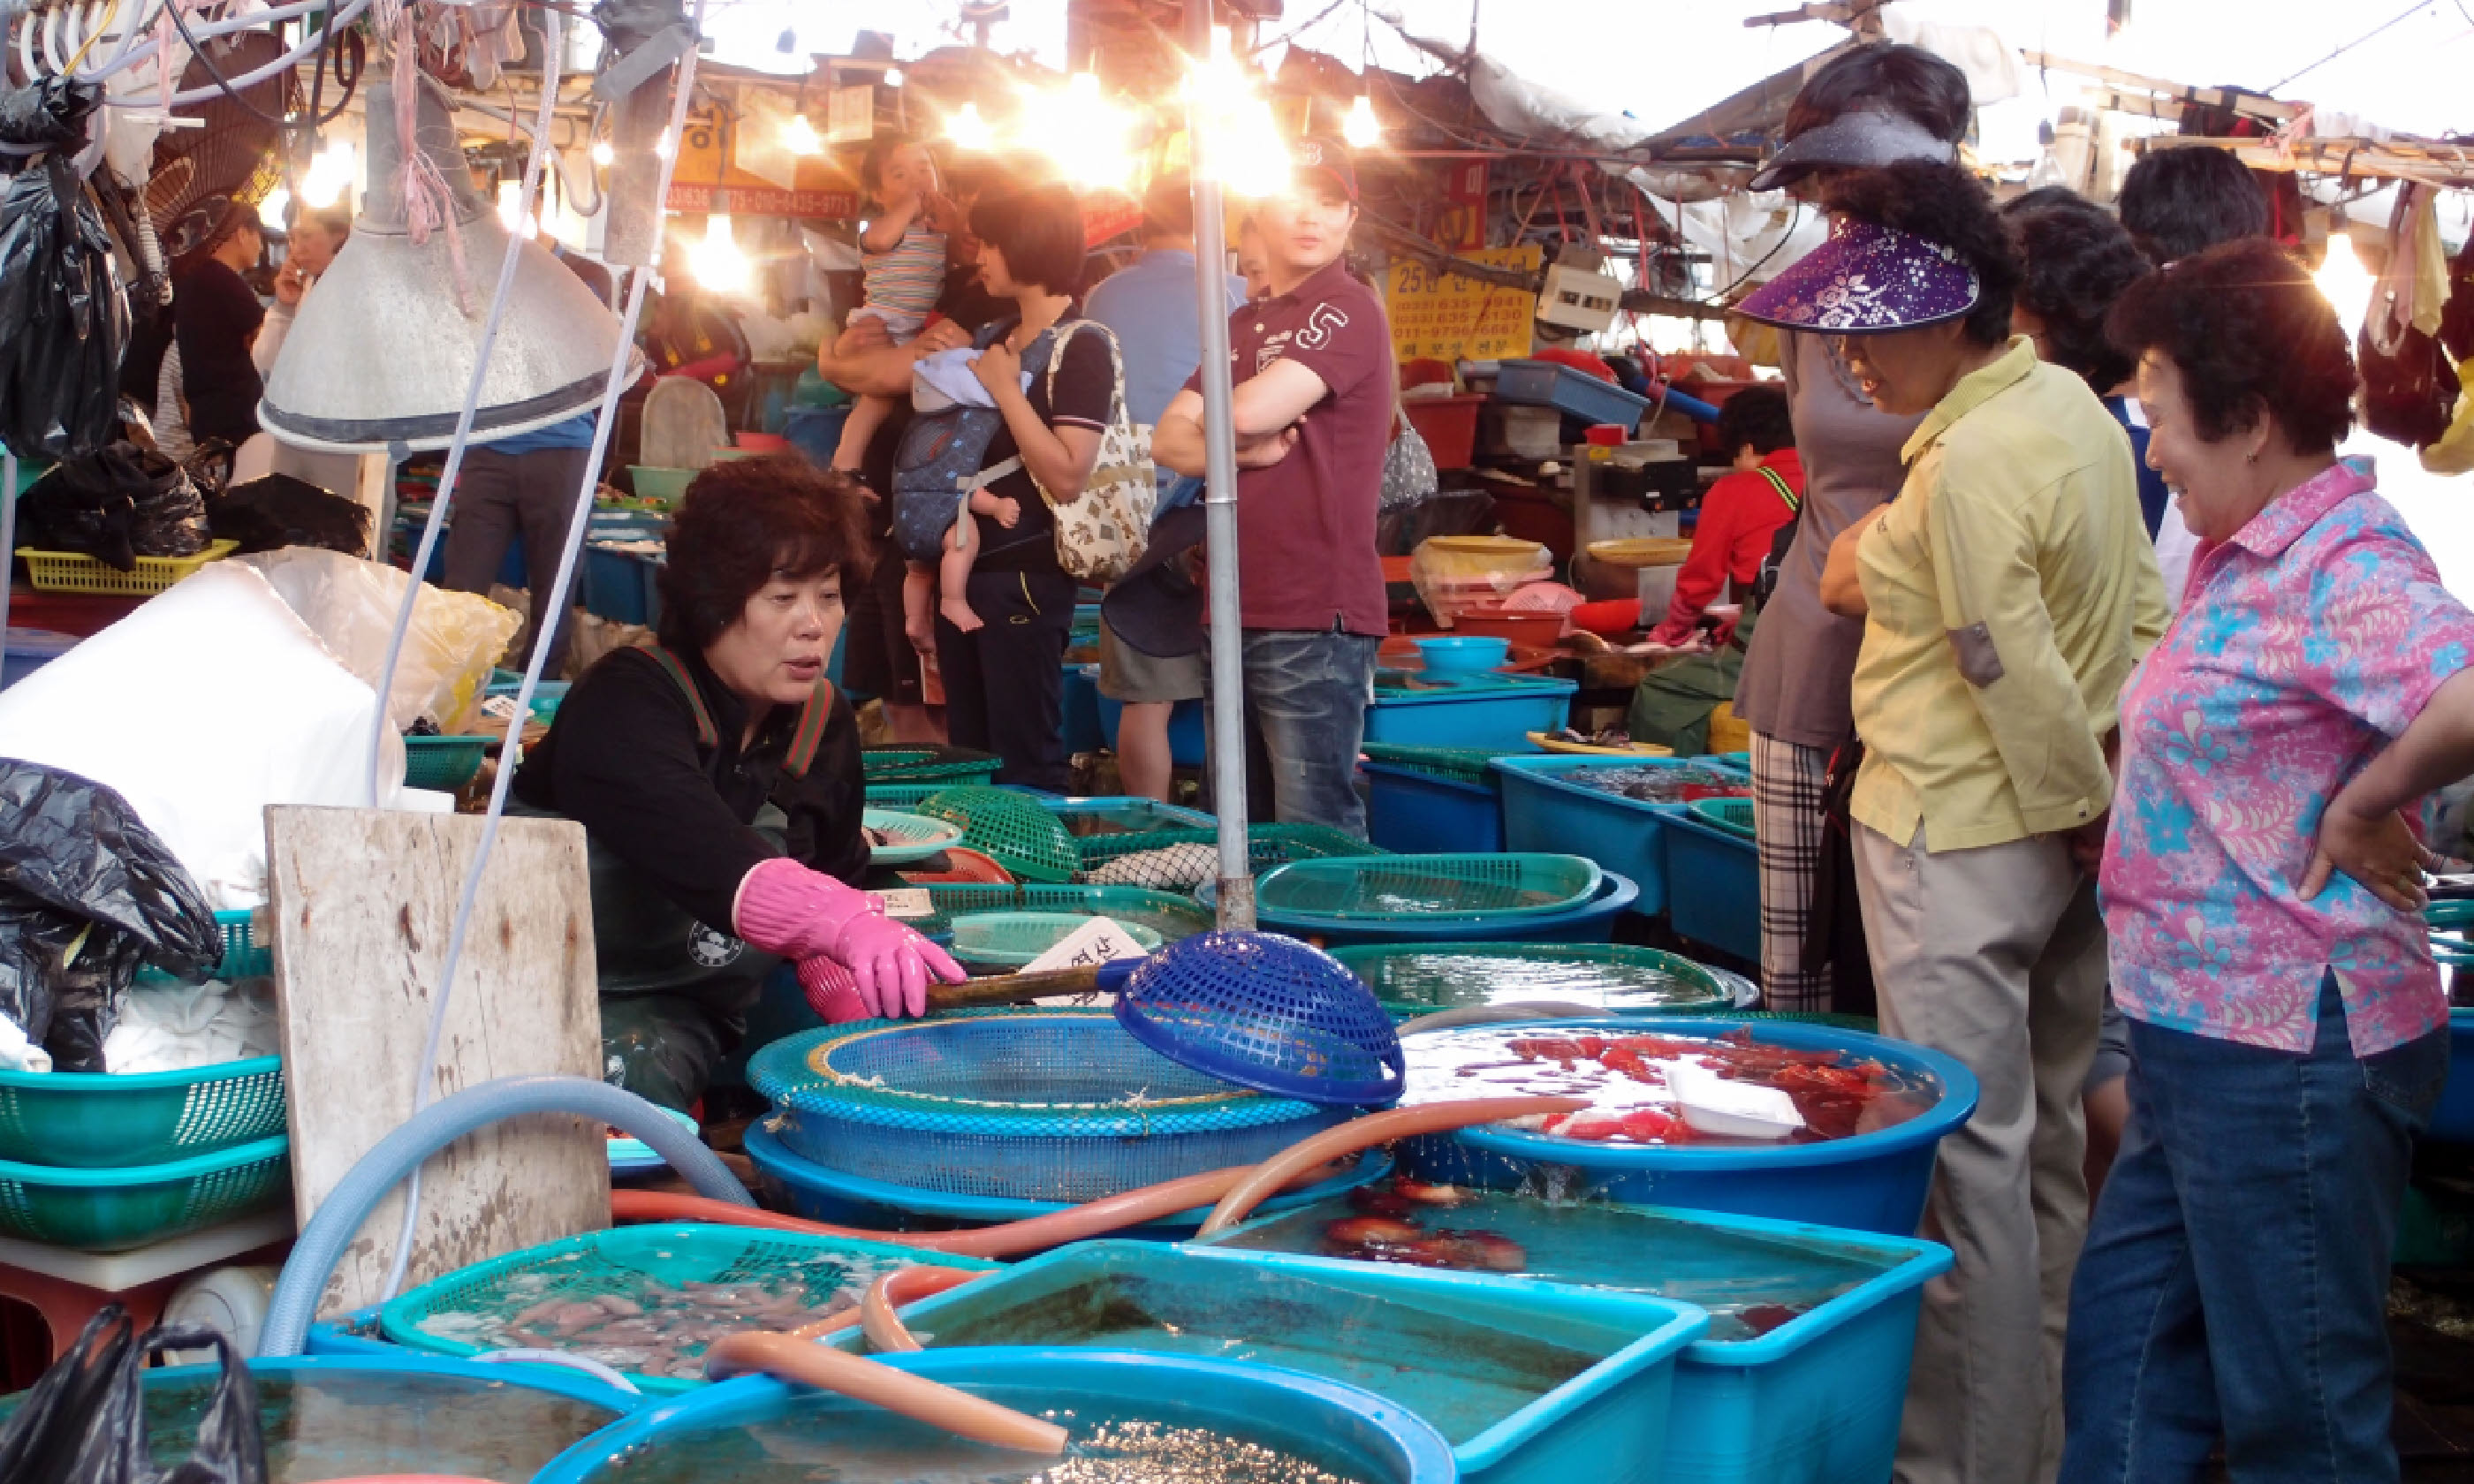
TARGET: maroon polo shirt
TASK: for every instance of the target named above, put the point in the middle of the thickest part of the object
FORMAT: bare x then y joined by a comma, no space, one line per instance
1306,526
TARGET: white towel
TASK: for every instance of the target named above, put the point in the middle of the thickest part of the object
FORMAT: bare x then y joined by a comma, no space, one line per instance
948,379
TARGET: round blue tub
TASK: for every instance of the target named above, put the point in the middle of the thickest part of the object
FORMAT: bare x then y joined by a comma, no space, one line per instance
820,1195
2453,1120
1869,1182
756,1430
1593,923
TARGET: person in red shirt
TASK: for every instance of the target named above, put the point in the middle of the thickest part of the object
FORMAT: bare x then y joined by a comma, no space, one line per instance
1742,514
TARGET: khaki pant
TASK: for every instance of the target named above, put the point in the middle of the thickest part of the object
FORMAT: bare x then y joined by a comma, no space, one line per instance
1997,957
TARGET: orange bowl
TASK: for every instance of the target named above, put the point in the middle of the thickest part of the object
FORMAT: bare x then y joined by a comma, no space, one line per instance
1520,627
1614,616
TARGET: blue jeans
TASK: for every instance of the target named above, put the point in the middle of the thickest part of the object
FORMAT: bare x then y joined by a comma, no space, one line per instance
1306,695
2236,1276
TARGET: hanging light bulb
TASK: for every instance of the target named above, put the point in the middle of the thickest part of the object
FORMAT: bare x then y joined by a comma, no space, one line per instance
893,77
603,153
272,211
716,262
799,137
1361,128
511,210
1083,132
332,172
1245,151
968,130
2343,281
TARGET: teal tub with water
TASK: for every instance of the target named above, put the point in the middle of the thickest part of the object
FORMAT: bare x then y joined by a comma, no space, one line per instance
1529,1384
1801,1375
1181,1415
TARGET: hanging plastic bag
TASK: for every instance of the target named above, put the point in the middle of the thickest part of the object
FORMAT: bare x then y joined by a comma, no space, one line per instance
350,604
88,893
115,505
84,1421
63,322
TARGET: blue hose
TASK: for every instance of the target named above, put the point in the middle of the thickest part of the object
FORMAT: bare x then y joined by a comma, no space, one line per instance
340,1216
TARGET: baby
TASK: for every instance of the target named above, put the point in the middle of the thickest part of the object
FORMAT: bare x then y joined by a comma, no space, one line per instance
940,515
905,264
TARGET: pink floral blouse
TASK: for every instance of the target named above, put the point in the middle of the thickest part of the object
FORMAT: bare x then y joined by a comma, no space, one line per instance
2303,646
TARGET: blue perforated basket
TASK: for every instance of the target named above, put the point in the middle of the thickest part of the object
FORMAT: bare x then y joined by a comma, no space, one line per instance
1047,1105
1269,1013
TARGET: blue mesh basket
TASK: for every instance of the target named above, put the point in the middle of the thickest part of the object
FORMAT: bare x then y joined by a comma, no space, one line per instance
1269,1013
1038,1105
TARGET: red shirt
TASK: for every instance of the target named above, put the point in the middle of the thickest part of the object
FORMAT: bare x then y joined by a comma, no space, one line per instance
1739,520
1306,526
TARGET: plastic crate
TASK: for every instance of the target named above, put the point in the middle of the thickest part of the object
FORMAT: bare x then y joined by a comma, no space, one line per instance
1594,922
1419,812
444,763
1104,857
243,957
947,765
115,1210
1572,393
1399,1332
1713,881
1391,888
1103,815
1012,829
1728,816
548,696
1171,914
1486,711
1544,811
1415,979
2453,1120
1001,942
623,1261
1449,426
1460,764
70,572
1816,1400
619,585
1082,701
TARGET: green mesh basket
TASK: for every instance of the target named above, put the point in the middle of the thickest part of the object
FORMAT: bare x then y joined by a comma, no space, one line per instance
1180,860
1010,940
1460,764
1395,887
1171,914
901,796
115,1210
1012,829
1734,816
244,957
927,765
444,763
787,1278
1415,980
1029,1105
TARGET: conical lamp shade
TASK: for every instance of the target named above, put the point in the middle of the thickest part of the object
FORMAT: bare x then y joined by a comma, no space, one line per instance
383,350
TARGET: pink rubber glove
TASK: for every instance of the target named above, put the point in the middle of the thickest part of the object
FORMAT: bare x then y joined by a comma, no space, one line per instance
787,909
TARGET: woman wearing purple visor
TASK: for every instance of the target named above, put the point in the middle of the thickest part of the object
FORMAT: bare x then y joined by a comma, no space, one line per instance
2007,592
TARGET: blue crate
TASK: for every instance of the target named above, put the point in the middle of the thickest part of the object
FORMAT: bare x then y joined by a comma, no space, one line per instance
1713,886
1487,710
1421,814
1542,811
619,585
1082,733
2453,1120
1185,724
1816,1400
815,431
1606,1423
1594,922
1573,392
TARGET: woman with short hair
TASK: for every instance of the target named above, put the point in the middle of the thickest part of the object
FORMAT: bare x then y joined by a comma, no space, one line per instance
2288,1026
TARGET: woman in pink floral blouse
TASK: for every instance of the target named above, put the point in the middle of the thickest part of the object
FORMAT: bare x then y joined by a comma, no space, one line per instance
2288,1026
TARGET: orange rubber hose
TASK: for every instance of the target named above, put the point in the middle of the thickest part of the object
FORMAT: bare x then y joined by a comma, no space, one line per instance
903,1286
1372,1129
915,1397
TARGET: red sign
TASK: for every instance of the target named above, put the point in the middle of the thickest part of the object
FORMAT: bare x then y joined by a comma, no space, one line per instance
1461,225
763,200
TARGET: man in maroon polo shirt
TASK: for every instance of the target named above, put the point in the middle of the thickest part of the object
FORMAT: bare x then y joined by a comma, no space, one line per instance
1312,364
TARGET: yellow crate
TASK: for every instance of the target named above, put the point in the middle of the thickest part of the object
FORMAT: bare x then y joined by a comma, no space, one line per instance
69,571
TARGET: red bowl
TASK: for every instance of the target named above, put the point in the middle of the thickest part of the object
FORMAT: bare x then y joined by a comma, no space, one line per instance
1614,616
1520,627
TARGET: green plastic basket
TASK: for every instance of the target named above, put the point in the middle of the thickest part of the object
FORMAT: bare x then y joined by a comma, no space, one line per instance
1172,916
244,958
115,1210
1012,829
623,1263
445,763
1421,978
1398,887
927,765
1734,816
1155,861
1460,764
97,1120
907,796
1009,940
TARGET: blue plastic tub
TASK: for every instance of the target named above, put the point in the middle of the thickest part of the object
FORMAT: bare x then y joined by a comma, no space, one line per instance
1817,1399
27,650
619,586
1478,711
1529,1384
1594,922
1185,724
1872,1182
1130,813
1421,813
1573,392
1713,886
1543,810
815,431
394,1412
758,1430
820,1195
2453,1120
1082,733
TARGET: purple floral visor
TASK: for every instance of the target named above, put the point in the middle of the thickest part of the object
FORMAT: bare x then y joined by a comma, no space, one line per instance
1866,279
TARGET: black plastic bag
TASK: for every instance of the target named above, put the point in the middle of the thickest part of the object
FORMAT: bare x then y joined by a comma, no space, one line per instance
278,511
84,1421
115,506
48,116
88,893
63,319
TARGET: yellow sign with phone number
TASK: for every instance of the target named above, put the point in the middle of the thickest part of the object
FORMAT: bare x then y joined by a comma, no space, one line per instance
1446,316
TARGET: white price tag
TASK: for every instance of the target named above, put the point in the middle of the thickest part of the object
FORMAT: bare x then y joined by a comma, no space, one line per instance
1096,942
908,901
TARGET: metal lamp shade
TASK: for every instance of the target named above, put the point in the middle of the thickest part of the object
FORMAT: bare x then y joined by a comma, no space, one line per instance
381,352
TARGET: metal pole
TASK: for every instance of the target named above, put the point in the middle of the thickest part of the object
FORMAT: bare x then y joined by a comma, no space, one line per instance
1219,502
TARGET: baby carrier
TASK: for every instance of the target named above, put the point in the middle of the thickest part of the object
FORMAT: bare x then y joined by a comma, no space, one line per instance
938,463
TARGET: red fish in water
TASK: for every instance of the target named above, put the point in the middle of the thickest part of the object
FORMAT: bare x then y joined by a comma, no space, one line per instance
1486,1250
1377,1202
1763,1318
1649,1126
1423,1194
1373,1232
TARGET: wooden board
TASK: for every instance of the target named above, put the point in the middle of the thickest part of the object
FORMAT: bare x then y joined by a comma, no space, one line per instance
361,902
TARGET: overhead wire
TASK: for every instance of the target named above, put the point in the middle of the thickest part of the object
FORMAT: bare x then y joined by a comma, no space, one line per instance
2393,20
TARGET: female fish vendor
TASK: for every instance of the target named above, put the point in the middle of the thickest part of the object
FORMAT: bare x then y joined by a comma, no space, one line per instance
717,776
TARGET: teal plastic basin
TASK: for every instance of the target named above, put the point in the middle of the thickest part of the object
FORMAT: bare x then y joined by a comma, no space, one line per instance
756,1430
1530,1385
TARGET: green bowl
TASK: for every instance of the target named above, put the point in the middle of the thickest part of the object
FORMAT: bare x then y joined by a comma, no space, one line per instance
669,486
112,1211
